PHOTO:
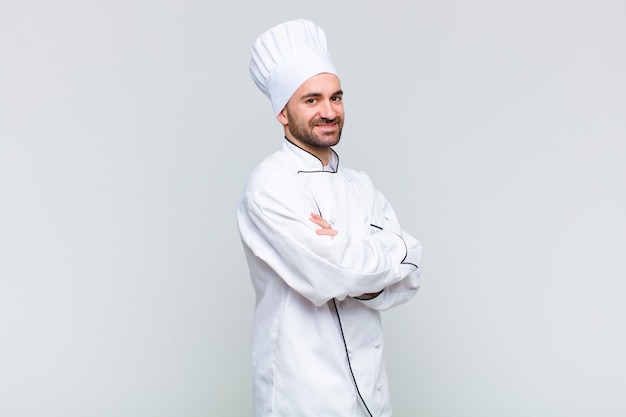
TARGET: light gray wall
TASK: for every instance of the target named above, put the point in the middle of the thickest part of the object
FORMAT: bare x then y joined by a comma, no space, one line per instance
496,129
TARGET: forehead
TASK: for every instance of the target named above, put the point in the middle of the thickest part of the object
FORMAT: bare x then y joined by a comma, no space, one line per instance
324,84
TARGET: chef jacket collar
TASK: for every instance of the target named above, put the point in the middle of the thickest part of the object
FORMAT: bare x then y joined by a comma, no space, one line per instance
309,162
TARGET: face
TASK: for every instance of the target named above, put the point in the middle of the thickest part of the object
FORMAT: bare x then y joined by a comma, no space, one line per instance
313,117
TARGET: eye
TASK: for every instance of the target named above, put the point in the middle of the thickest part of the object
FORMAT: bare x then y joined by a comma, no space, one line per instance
337,98
310,100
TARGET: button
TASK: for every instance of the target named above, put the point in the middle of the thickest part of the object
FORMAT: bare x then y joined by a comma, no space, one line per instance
379,386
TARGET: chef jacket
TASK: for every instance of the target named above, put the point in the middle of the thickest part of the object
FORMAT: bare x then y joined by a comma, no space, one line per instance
317,345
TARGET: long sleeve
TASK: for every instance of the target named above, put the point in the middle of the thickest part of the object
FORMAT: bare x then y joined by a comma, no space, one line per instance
274,224
403,290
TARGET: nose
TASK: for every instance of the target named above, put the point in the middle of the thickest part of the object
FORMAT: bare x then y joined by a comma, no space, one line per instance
328,110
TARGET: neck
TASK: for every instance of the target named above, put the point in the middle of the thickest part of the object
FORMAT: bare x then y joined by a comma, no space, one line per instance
323,154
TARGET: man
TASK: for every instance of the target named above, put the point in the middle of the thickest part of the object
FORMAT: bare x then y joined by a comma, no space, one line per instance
325,250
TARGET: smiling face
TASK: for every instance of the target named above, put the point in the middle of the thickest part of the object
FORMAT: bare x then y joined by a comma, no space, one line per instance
313,117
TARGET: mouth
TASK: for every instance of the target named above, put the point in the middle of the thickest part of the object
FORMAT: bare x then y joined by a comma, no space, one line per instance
327,126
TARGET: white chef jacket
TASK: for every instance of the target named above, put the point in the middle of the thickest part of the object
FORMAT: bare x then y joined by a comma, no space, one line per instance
312,337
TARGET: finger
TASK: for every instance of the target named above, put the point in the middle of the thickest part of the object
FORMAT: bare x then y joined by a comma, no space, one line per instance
326,232
321,222
323,225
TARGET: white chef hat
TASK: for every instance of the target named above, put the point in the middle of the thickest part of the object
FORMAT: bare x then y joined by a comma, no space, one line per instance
287,55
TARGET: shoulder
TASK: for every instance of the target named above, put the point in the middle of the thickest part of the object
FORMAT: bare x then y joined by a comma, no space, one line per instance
275,183
270,171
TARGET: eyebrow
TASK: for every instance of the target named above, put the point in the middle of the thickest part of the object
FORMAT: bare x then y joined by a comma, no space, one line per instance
314,94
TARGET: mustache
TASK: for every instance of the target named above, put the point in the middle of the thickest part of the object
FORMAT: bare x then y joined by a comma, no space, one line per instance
324,121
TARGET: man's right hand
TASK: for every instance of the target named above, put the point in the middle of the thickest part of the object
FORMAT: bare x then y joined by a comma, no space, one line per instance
326,228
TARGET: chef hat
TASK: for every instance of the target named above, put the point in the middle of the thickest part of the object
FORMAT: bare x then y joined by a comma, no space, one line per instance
287,55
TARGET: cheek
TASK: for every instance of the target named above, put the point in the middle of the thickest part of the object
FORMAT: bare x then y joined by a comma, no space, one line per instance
308,118
301,116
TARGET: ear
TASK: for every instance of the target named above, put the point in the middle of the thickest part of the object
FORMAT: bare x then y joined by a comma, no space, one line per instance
282,117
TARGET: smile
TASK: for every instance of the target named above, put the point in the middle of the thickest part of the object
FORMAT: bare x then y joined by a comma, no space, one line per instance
327,126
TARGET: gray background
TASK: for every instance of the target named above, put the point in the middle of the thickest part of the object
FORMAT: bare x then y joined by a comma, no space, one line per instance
127,128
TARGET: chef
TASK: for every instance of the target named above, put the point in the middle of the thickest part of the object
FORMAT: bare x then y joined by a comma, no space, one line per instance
324,247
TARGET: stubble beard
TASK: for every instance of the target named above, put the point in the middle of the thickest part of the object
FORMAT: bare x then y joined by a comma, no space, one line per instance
304,132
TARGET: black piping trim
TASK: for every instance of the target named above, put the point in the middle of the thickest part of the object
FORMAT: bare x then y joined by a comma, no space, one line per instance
406,253
317,172
371,298
318,207
345,345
